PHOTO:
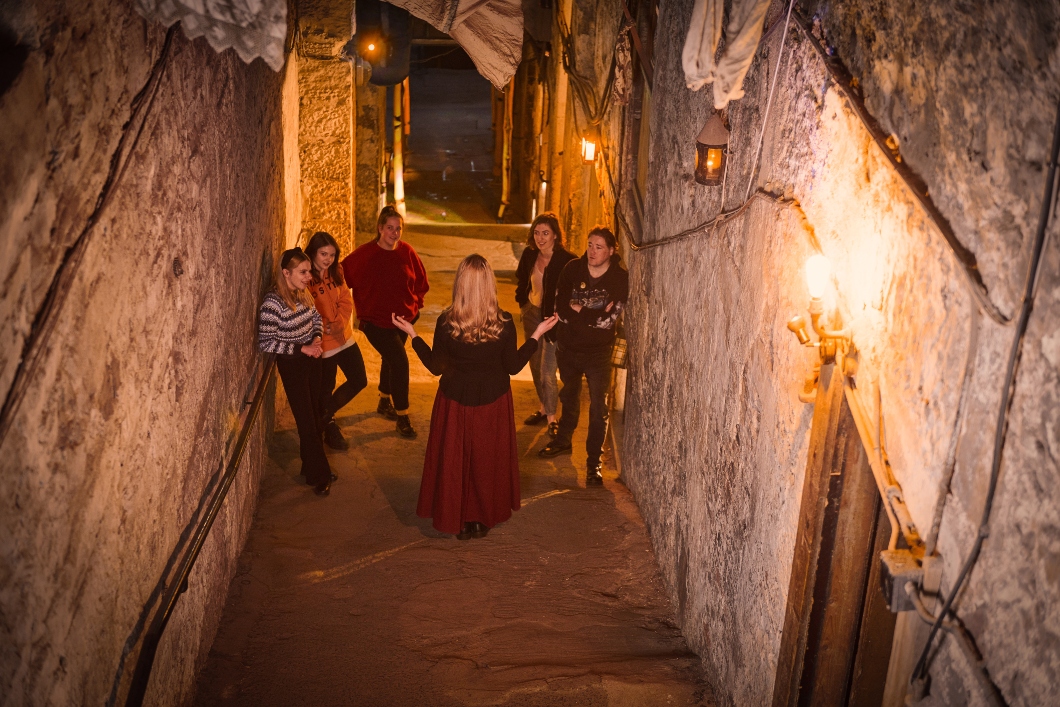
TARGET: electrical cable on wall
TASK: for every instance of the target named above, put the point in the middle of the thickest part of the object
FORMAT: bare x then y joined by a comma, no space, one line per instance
1007,394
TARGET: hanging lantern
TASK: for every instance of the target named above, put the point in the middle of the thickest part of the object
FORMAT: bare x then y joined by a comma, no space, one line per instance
588,150
712,148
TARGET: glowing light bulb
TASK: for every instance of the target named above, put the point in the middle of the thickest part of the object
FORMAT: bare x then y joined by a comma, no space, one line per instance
818,272
371,47
588,150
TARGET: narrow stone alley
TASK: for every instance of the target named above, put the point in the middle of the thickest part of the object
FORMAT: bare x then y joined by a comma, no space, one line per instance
810,272
355,600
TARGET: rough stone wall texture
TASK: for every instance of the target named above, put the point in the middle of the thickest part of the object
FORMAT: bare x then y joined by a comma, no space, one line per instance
138,393
370,189
326,147
715,437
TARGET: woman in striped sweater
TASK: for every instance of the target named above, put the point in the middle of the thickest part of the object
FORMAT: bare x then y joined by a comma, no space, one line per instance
290,327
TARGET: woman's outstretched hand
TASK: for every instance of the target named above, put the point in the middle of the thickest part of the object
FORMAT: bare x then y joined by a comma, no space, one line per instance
545,326
403,325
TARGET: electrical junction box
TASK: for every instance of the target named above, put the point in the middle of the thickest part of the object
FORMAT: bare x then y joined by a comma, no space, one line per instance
896,568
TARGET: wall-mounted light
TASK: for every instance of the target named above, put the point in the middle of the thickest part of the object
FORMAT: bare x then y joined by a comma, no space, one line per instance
712,149
818,271
588,151
832,343
371,46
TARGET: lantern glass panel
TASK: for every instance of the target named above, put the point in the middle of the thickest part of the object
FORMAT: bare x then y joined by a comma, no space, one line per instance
710,164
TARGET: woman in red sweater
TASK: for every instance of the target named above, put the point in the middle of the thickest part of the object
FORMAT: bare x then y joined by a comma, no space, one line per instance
388,278
471,469
332,299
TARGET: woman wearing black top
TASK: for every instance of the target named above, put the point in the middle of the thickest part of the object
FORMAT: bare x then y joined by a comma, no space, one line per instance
471,469
590,296
537,275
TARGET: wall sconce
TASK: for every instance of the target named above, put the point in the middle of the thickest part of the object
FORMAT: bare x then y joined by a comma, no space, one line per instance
712,149
832,344
588,151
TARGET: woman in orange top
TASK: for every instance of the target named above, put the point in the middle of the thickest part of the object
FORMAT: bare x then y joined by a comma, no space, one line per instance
332,299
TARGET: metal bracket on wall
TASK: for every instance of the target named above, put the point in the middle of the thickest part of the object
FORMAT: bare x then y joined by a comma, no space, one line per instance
898,565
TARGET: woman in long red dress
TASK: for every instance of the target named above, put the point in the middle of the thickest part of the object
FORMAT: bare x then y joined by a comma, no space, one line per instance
471,469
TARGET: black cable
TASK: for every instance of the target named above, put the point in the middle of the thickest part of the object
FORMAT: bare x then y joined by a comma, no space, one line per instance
1006,398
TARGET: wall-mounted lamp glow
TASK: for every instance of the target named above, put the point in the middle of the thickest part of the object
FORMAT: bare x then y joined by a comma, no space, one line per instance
832,343
588,150
818,272
712,149
371,47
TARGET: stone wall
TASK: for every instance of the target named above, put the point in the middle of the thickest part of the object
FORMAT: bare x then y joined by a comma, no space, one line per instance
325,119
131,408
715,444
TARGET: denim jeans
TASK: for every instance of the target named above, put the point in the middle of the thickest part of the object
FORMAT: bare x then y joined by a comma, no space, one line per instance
543,362
596,367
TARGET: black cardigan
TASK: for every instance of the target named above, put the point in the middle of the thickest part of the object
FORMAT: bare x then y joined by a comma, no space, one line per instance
474,374
593,328
560,257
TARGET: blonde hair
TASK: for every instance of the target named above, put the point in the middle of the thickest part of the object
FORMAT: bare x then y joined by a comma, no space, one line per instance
289,261
474,316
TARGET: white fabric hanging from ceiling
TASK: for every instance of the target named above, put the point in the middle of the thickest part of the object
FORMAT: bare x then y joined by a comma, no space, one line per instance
253,28
742,35
490,31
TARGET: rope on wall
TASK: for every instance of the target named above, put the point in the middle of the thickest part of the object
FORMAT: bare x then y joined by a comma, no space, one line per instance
44,323
769,104
595,109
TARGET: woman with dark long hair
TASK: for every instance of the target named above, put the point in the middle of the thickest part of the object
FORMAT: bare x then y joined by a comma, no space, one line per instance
535,293
290,327
471,469
333,301
388,278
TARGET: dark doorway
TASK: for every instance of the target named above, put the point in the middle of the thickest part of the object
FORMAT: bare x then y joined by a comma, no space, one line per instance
838,629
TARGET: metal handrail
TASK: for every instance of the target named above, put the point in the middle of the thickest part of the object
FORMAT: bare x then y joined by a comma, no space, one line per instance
142,674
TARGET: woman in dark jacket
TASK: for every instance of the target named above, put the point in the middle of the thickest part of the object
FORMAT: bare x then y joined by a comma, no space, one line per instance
471,468
590,296
535,293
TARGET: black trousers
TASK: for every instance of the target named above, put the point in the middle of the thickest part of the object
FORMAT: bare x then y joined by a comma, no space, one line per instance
394,373
301,381
596,367
333,399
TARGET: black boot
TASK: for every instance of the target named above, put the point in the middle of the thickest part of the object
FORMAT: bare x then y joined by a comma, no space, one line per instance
333,437
404,427
556,447
386,408
594,474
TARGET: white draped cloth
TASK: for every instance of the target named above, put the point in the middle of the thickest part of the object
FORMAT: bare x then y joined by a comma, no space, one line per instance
490,31
742,35
253,28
